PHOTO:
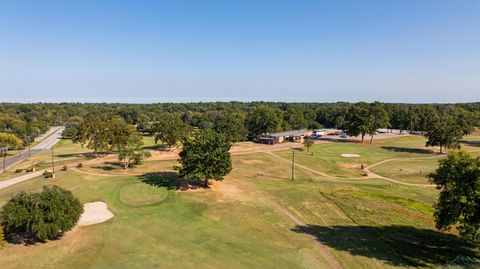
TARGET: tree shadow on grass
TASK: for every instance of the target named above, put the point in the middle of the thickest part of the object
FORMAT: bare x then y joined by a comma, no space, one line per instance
396,245
408,150
170,180
86,155
471,143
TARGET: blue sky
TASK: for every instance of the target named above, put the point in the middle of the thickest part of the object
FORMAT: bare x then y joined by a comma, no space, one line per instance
305,50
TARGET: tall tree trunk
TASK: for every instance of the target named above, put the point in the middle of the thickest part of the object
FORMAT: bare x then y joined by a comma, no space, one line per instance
371,139
206,182
363,137
441,149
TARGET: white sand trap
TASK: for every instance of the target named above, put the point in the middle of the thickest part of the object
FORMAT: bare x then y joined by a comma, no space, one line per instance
93,213
350,155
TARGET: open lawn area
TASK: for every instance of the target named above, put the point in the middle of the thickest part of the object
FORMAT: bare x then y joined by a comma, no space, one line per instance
257,217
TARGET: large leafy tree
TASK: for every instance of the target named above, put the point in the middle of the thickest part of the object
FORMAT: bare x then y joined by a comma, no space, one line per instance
170,129
205,156
377,118
41,216
265,119
295,118
232,126
443,131
94,133
9,141
458,178
357,122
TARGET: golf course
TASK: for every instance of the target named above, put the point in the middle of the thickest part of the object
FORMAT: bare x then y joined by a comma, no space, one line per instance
333,214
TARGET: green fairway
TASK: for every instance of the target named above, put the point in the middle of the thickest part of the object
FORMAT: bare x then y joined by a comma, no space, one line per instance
410,171
257,218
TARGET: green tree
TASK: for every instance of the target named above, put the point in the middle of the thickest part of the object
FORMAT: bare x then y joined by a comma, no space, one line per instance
377,118
357,122
205,156
309,143
10,141
458,178
170,129
132,151
232,126
444,132
95,134
295,118
264,119
41,216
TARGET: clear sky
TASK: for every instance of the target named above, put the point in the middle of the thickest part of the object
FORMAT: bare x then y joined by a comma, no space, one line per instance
202,50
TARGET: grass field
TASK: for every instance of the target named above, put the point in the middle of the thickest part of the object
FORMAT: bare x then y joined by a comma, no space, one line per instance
257,217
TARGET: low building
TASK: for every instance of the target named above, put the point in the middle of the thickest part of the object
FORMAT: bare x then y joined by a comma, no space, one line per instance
282,137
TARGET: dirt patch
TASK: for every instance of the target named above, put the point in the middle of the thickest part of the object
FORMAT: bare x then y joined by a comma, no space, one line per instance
93,213
350,155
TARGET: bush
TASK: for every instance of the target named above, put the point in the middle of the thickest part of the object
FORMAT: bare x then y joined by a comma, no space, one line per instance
80,165
48,174
18,170
30,169
31,217
64,168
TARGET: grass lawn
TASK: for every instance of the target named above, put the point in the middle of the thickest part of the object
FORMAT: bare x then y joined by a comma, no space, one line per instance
256,218
327,157
410,171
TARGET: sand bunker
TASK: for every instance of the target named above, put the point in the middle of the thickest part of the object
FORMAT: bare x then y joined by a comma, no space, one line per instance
93,213
350,155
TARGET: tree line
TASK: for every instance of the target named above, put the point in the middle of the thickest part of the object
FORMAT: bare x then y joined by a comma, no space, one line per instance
240,121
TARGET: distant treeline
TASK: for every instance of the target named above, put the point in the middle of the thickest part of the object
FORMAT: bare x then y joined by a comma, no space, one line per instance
241,120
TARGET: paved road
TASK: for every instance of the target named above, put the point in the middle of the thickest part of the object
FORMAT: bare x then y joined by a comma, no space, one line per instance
46,144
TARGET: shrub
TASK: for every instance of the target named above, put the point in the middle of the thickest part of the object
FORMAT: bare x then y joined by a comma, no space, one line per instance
64,168
80,165
18,170
30,169
31,217
48,174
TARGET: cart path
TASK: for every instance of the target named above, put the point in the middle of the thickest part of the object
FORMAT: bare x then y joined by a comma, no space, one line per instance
9,182
370,174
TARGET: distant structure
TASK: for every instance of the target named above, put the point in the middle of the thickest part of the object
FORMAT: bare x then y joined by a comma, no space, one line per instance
282,137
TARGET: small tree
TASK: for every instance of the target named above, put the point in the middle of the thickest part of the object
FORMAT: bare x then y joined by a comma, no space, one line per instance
458,178
205,156
309,143
41,216
132,152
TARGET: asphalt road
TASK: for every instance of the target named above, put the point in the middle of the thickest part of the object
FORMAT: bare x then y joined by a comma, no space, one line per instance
46,144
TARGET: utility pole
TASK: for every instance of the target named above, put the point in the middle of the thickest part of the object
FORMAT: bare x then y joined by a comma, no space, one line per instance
293,164
3,156
53,164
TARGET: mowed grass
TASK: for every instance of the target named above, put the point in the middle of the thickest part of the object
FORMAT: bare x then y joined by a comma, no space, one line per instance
185,229
409,171
257,218
327,157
